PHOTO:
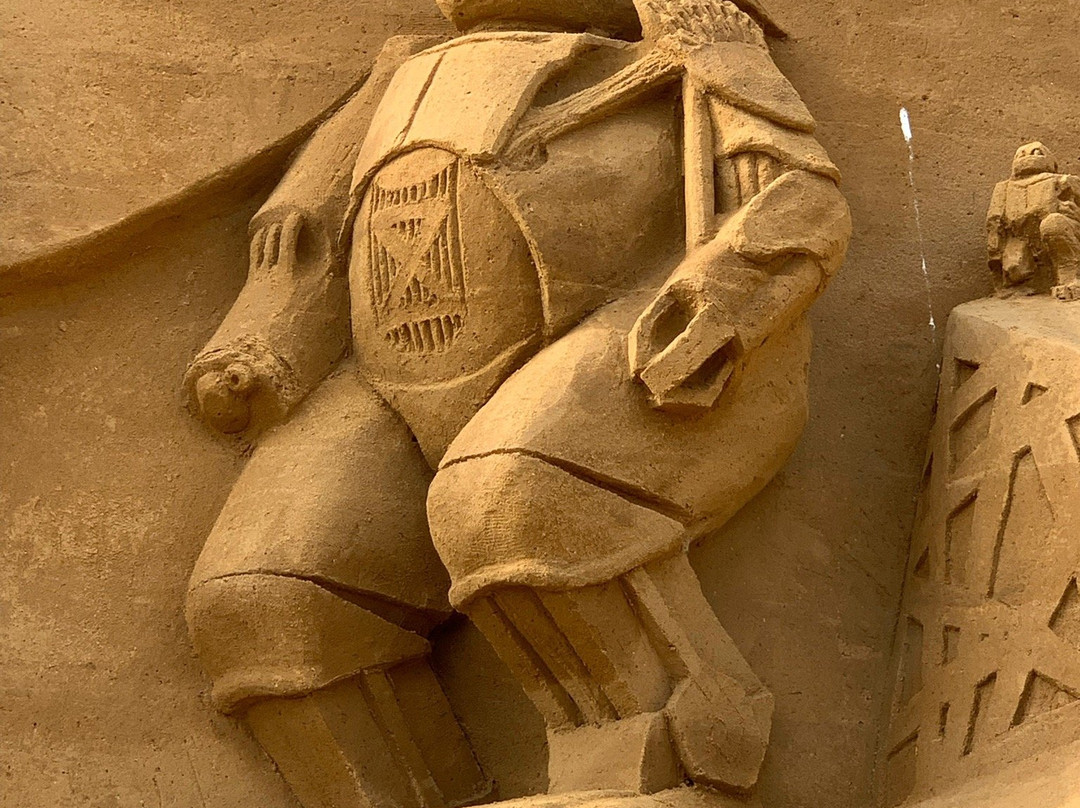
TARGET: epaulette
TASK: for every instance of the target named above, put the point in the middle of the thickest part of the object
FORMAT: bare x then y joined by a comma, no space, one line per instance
745,76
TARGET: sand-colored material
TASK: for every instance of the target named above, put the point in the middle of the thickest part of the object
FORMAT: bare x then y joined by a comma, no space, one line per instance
109,488
988,641
466,283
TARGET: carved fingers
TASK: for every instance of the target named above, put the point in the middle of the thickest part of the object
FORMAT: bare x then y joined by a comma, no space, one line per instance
274,246
683,347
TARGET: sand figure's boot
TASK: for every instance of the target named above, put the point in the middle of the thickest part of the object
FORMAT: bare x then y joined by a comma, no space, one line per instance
640,686
342,699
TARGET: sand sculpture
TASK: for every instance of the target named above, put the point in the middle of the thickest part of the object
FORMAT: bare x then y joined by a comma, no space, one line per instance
523,318
988,644
1033,226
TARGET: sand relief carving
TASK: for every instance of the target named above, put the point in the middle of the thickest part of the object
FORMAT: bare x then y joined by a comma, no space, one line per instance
988,645
523,319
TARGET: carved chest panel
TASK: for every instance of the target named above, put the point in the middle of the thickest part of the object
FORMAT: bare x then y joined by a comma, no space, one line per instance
441,276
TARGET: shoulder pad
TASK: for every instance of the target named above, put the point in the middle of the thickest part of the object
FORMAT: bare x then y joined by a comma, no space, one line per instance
997,199
736,130
745,76
320,168
397,49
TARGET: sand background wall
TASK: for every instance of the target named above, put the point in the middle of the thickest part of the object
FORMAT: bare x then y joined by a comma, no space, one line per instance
107,486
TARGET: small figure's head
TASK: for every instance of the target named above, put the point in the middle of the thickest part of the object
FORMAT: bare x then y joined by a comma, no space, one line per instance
617,18
1033,158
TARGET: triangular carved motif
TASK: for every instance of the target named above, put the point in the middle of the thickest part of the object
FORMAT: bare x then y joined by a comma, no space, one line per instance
1026,520
964,371
970,429
1042,695
1065,621
1074,432
1033,390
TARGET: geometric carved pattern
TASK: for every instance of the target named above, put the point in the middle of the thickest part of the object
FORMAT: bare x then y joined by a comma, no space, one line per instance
988,651
1041,695
1066,620
417,273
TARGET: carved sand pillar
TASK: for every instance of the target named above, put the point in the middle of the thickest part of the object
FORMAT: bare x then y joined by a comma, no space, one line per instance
988,645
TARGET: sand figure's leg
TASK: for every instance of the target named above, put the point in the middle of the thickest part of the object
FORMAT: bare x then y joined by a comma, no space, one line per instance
639,683
310,607
1061,238
561,512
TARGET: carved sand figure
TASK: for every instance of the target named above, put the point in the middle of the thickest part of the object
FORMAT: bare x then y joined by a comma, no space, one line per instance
1033,225
500,357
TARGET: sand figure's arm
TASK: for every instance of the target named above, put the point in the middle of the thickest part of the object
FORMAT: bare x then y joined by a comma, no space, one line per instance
289,325
775,228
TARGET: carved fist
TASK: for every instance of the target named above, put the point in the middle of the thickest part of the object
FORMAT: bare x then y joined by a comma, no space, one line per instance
683,346
224,397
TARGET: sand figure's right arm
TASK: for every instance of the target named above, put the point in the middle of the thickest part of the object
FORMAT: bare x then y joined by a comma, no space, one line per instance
289,325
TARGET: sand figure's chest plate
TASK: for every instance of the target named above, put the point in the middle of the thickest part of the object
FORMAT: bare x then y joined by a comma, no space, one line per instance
1027,203
442,279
